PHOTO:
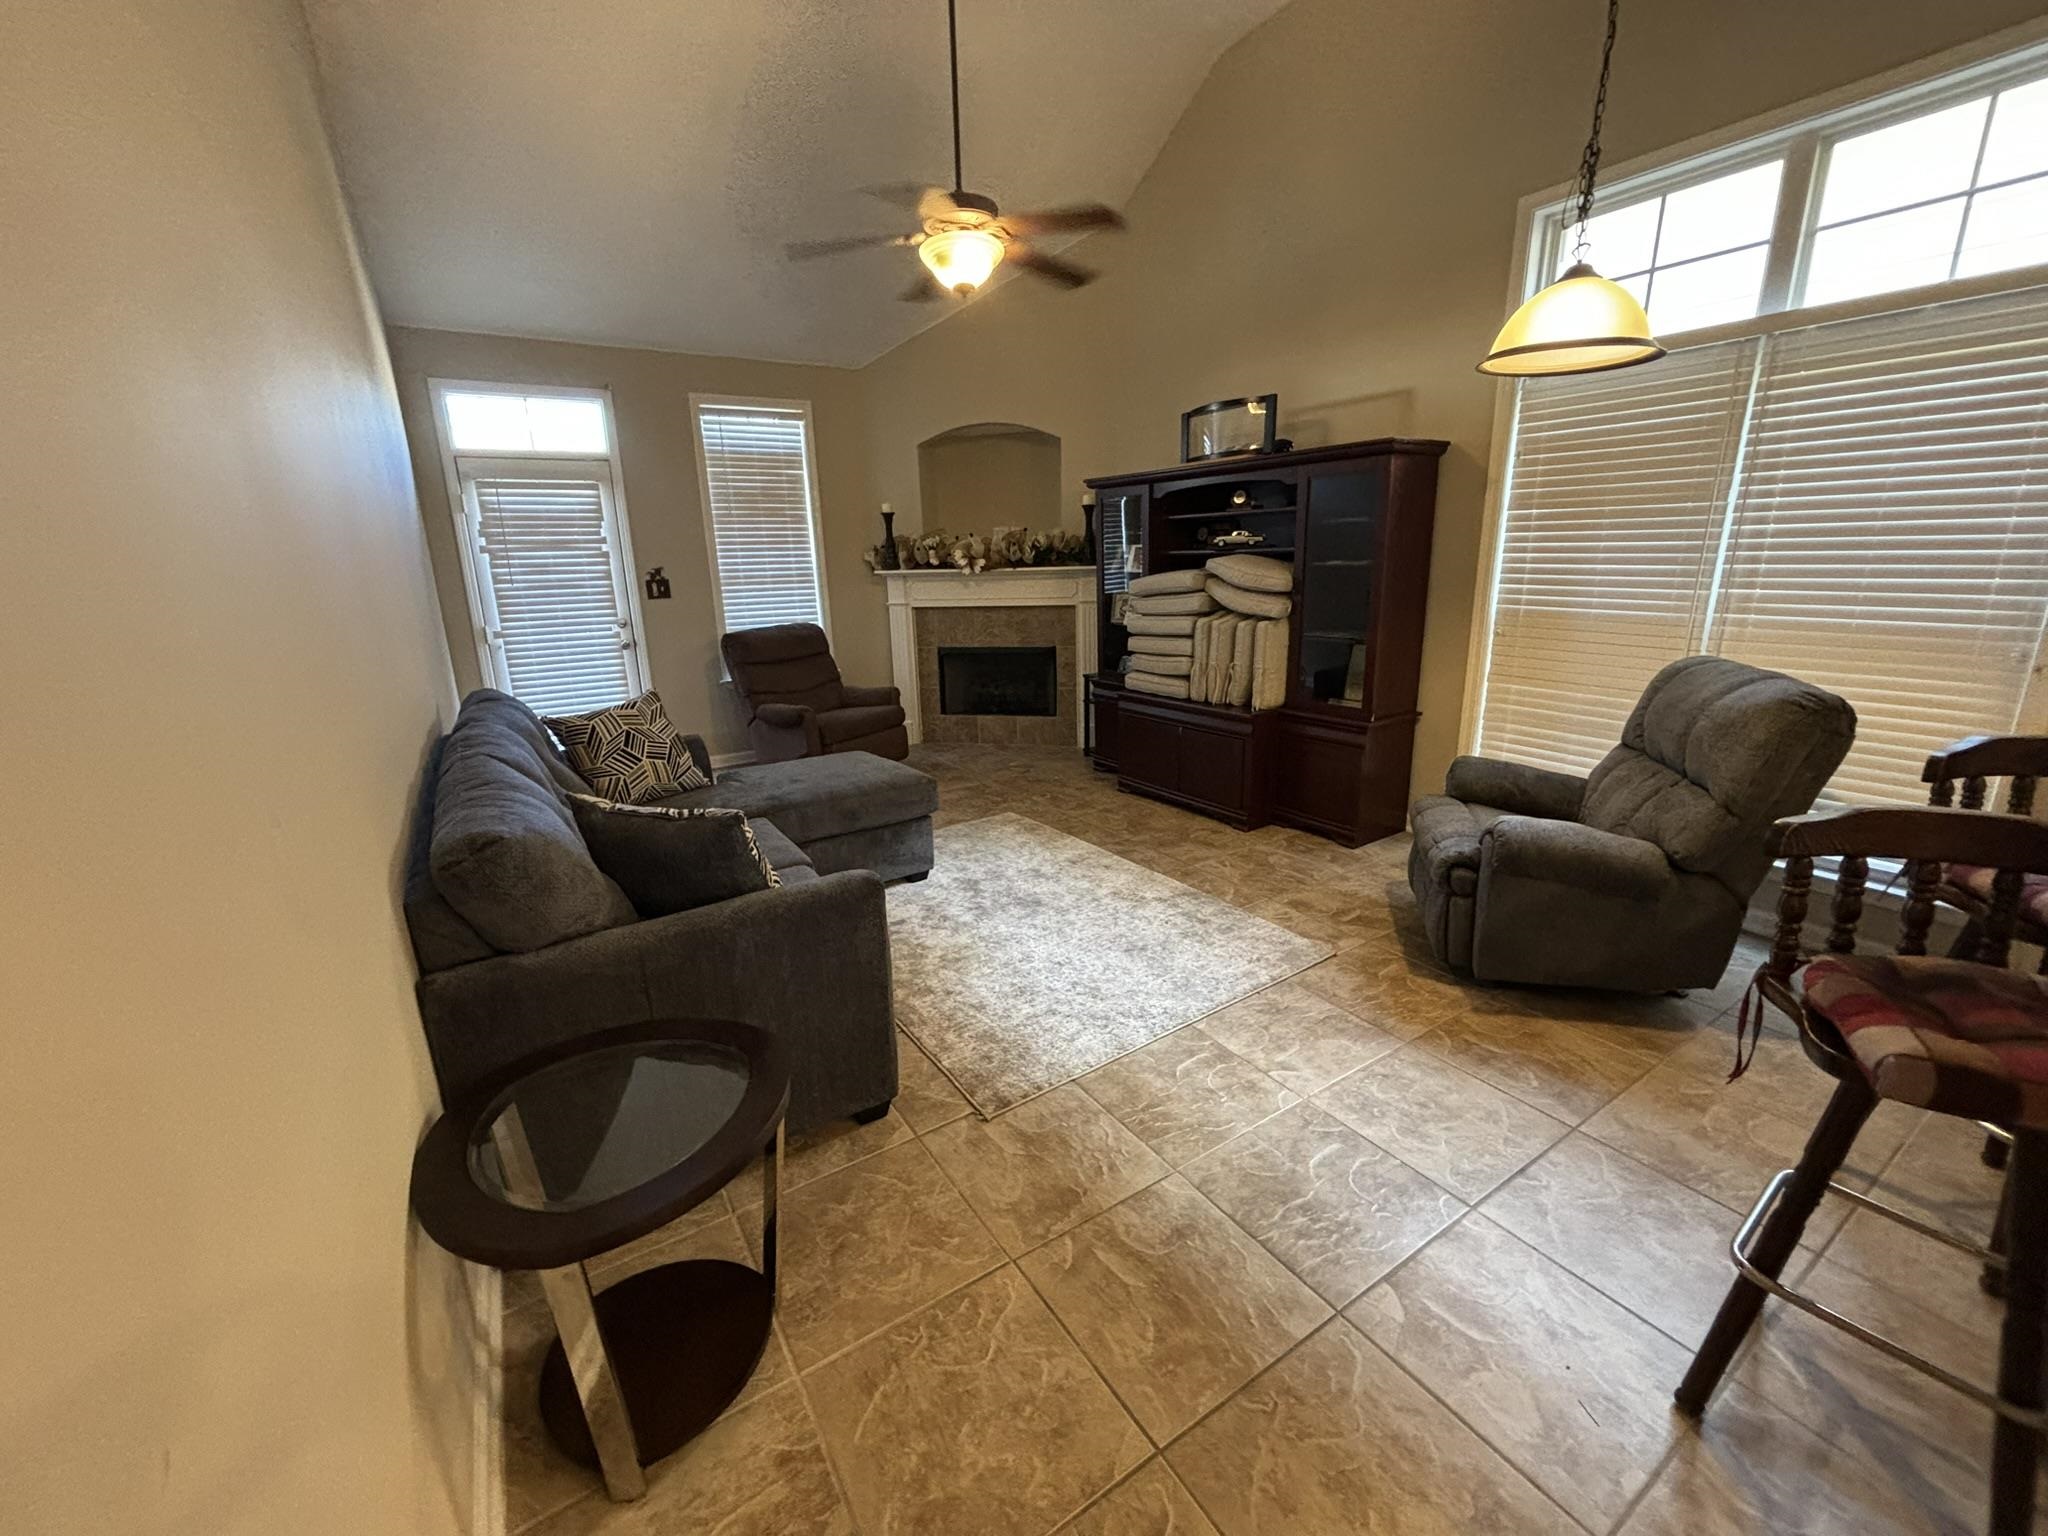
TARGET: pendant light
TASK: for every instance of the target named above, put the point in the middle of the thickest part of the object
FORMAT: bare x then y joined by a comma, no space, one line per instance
1582,323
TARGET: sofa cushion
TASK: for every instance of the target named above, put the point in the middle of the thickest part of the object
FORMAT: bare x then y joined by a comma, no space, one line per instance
629,752
1259,605
1173,605
816,797
504,850
837,725
668,859
782,854
1163,583
1254,573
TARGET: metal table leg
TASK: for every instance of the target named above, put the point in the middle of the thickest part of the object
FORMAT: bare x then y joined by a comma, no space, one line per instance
604,1409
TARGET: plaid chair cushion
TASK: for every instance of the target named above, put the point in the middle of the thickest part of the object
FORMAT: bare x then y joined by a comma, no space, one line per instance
1954,1036
1975,880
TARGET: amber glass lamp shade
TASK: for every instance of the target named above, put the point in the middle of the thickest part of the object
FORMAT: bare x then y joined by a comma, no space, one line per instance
1581,323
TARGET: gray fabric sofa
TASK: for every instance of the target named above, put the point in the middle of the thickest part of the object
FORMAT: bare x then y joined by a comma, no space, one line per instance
523,942
1636,877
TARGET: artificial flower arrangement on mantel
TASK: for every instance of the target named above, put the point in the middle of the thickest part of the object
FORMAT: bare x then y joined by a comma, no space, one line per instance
1006,548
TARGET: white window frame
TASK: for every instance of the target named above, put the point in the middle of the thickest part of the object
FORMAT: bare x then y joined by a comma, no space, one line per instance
1800,135
459,470
814,510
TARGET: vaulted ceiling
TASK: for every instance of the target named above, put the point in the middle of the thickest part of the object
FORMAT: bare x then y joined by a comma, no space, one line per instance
627,171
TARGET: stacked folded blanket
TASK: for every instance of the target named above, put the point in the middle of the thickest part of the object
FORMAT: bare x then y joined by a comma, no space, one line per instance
1163,615
1238,650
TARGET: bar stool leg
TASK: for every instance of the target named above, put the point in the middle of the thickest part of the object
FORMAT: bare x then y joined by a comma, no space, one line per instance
1826,1150
2016,1448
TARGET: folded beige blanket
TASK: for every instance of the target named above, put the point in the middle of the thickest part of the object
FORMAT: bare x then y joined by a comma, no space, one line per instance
1162,666
1160,623
1151,682
1239,687
1254,573
1161,583
1162,645
1269,665
1177,602
1260,605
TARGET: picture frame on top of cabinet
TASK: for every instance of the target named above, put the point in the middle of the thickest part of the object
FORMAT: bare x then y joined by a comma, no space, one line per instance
1225,429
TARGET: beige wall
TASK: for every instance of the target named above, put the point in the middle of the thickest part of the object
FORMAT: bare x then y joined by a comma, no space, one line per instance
1333,219
223,665
658,462
977,480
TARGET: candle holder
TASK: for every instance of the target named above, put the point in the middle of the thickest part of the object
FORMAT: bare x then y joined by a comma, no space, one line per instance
888,559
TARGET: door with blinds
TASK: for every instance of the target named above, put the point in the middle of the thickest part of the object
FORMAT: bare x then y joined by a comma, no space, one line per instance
1863,504
761,511
551,600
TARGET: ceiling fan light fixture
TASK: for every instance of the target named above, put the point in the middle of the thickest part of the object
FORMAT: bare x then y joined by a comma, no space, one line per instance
1582,323
961,259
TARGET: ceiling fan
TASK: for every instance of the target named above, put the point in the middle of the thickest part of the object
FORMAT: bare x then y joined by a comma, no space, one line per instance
965,237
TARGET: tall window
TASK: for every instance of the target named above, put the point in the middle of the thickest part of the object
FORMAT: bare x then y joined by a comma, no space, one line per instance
1840,472
540,520
761,511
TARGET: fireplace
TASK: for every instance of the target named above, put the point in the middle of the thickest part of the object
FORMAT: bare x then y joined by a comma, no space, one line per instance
999,680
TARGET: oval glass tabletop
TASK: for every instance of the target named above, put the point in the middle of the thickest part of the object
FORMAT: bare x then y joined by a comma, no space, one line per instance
600,1124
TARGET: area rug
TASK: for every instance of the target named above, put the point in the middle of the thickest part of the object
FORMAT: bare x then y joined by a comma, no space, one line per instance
1030,957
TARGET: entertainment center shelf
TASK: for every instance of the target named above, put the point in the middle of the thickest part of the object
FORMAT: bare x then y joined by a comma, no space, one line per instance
1354,520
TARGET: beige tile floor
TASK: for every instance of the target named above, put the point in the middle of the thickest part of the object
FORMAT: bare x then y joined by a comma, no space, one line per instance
1376,1251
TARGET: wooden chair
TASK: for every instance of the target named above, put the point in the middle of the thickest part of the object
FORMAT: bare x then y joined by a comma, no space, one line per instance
1977,760
1952,1036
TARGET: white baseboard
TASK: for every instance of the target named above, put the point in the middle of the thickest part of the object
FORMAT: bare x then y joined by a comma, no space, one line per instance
487,1436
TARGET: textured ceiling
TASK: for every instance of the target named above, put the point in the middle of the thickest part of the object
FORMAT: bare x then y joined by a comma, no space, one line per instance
625,171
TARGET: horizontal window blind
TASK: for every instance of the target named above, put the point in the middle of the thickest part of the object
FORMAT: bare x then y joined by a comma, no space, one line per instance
757,477
1609,531
558,624
1862,504
1891,539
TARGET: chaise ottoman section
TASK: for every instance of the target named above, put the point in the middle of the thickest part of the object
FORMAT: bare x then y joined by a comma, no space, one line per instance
846,810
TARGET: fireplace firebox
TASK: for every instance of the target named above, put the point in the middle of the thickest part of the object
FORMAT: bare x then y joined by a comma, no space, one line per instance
998,680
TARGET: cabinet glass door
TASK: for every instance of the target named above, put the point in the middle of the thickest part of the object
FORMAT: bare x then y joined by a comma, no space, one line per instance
1338,565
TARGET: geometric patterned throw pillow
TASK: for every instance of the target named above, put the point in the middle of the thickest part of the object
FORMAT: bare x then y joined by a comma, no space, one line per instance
630,752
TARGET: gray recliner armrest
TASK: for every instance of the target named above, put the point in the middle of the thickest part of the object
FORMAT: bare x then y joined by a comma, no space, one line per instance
783,731
1515,787
857,697
1566,853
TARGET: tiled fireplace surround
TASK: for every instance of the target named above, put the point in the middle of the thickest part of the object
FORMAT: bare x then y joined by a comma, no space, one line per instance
1049,607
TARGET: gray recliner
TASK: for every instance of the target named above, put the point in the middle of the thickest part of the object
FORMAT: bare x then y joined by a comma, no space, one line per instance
1636,877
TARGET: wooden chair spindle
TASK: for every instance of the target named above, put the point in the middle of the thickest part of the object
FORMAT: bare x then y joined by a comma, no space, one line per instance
1923,876
1848,906
1943,793
2001,916
2020,795
1791,916
1974,788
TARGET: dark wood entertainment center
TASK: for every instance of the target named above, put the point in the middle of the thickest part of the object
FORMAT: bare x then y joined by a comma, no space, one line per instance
1354,520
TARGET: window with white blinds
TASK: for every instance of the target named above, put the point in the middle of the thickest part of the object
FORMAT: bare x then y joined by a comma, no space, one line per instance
557,626
1863,504
541,527
760,499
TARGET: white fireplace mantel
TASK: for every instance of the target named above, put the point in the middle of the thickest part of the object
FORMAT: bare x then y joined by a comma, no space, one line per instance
1053,586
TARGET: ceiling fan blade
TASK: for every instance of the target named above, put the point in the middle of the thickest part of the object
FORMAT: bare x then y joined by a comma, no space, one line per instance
1053,221
1065,273
919,197
922,290
806,250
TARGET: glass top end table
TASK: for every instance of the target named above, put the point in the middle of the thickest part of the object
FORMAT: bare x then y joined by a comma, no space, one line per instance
579,1150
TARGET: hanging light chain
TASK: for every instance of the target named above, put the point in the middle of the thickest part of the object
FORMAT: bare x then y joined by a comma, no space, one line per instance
1589,163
